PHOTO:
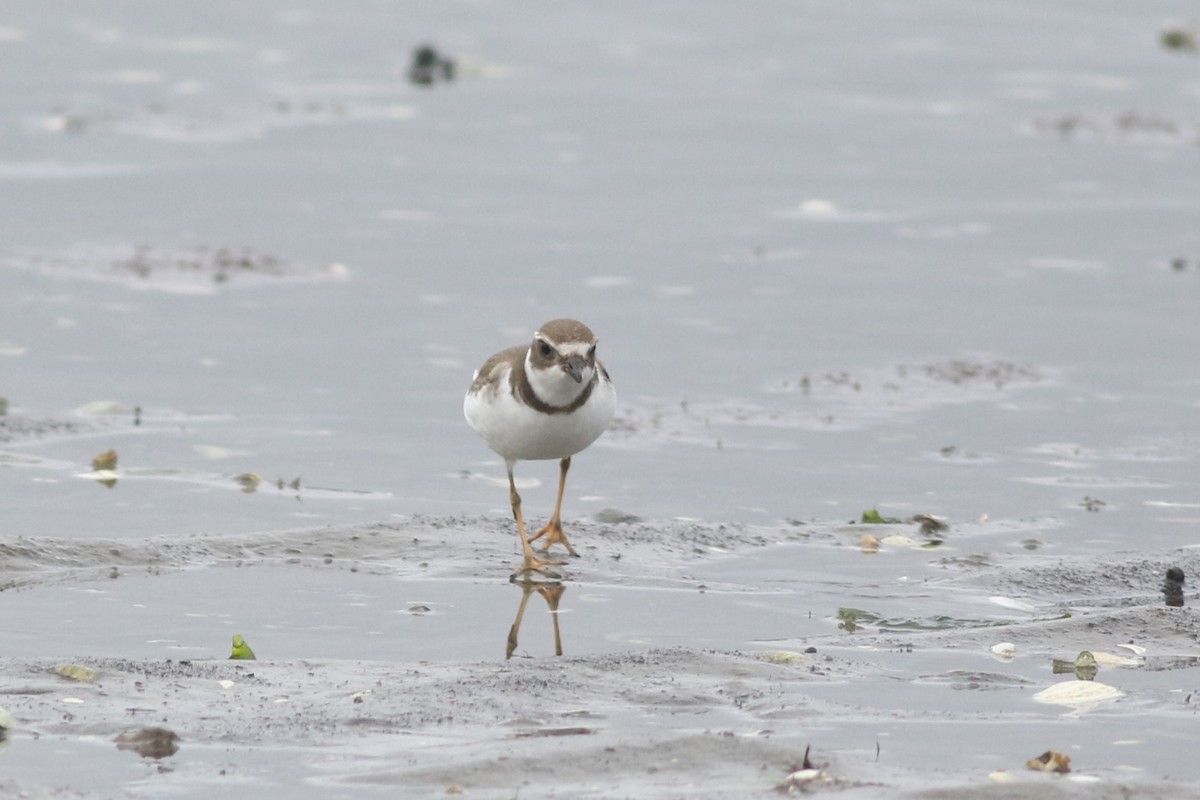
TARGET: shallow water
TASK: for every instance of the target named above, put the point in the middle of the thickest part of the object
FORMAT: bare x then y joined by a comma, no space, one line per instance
920,258
311,614
799,207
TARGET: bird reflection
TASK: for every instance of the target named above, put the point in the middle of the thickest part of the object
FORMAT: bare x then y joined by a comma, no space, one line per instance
552,592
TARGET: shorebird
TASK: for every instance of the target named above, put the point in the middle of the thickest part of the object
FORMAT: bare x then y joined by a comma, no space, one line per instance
545,400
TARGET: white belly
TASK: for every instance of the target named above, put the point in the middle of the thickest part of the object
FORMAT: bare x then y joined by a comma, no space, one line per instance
517,432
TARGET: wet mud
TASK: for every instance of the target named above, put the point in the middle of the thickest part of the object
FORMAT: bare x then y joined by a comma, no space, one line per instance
197,270
899,502
878,704
838,400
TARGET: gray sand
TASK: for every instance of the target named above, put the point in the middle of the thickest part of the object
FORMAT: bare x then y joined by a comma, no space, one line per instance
881,707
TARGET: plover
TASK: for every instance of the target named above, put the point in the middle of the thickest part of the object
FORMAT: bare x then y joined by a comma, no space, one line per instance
548,399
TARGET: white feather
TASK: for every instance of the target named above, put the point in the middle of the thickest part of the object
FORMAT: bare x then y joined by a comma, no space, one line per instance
520,433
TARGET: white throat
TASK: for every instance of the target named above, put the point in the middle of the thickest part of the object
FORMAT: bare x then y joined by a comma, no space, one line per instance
553,386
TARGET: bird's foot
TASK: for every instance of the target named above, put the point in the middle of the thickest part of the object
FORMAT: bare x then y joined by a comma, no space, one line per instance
551,591
554,535
531,565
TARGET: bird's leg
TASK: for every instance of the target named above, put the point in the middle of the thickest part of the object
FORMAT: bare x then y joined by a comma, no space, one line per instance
553,530
552,592
527,588
531,562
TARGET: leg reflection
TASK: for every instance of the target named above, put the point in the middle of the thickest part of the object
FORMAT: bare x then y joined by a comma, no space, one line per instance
552,592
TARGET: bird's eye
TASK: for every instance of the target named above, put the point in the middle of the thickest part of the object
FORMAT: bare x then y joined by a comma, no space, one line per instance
545,348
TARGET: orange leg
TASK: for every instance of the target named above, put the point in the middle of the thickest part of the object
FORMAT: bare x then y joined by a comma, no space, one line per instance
527,588
531,562
552,592
553,530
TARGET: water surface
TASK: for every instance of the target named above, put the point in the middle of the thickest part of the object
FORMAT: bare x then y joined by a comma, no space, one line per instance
915,257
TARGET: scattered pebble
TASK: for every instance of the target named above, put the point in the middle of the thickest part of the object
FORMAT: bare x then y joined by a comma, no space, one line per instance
931,525
75,672
1084,666
430,67
105,461
1005,650
1050,761
1172,588
149,742
1180,39
1079,695
614,516
249,481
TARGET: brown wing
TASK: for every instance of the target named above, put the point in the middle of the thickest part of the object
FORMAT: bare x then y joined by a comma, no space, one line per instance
492,372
